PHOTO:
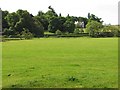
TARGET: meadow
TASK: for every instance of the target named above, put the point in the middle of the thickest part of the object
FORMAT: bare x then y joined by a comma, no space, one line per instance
60,63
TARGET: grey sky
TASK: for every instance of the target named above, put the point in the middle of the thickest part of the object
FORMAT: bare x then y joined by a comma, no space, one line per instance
105,9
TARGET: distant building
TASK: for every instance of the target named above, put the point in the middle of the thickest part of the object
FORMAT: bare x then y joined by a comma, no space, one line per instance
80,24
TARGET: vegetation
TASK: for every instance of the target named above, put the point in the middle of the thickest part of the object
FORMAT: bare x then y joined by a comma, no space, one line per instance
15,22
94,28
60,63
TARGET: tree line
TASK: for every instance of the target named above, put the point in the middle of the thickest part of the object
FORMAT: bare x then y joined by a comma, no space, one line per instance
23,24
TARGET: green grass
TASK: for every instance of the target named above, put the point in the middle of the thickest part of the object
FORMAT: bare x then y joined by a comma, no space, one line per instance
61,63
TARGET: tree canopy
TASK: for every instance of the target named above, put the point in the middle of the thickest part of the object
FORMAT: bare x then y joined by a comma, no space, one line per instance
17,22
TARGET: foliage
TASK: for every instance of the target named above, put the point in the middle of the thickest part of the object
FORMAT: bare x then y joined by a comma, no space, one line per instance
53,24
61,26
76,31
9,31
13,23
69,26
41,17
58,32
113,29
22,19
26,34
38,30
4,20
105,34
94,28
92,17
12,19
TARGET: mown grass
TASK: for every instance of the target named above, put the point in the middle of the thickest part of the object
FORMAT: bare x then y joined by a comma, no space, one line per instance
61,63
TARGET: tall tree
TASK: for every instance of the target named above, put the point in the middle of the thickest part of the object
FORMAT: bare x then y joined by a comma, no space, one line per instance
53,24
92,17
61,26
38,28
69,26
23,19
4,20
94,28
50,13
42,18
52,10
12,19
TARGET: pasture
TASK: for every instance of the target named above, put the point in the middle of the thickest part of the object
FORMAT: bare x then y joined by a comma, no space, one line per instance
60,63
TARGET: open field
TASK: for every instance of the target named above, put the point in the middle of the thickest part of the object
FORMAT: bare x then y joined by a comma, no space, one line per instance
61,62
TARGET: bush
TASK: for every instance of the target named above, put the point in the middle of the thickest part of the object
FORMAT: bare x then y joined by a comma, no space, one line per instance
26,34
93,27
76,31
111,30
58,32
86,30
2,39
106,34
4,36
118,34
13,36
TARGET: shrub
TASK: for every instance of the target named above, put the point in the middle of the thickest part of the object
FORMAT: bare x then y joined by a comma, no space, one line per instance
58,32
106,34
118,34
2,39
94,27
26,34
113,30
76,31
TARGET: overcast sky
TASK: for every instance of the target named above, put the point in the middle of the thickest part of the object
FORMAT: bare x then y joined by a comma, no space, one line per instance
105,9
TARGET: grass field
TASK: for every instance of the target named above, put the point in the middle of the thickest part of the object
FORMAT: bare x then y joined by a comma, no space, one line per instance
60,63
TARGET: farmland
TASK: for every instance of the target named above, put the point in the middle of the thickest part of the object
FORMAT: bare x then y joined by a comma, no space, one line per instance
60,63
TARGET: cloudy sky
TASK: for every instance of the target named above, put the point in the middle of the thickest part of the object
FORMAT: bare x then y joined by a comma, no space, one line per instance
105,9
